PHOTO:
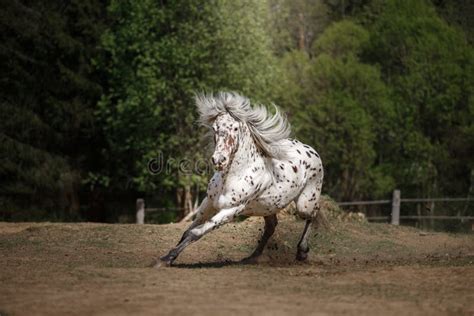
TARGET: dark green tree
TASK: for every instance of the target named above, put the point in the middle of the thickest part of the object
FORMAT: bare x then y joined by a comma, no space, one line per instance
430,67
341,106
157,55
458,13
49,91
295,24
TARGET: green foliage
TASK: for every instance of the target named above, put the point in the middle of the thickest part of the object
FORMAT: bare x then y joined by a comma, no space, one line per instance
341,40
156,57
342,110
297,23
430,67
458,14
386,97
48,94
92,91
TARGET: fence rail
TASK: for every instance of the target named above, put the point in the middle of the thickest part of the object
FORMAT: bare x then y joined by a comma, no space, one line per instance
438,200
438,217
394,217
442,217
396,202
405,200
162,209
365,202
141,210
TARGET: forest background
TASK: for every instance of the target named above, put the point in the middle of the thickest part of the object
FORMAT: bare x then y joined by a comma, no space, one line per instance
94,91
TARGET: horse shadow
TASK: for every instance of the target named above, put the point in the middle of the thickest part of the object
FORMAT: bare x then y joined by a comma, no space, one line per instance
273,262
210,264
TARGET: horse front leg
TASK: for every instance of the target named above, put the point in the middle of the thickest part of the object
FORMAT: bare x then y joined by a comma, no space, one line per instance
222,217
205,211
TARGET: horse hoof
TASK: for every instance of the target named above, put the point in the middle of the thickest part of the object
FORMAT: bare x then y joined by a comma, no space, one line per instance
158,263
249,260
259,259
301,256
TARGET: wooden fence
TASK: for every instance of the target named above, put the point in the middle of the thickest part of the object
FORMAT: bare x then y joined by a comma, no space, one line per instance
394,217
142,210
396,202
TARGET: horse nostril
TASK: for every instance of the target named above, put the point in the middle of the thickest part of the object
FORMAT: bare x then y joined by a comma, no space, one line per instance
219,160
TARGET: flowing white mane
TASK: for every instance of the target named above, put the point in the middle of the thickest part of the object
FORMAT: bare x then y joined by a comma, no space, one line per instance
266,129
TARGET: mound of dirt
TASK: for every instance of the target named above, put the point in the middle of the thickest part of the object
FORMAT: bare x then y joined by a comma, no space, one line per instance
354,267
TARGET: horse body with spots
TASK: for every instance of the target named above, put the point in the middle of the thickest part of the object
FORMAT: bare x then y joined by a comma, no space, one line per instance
259,171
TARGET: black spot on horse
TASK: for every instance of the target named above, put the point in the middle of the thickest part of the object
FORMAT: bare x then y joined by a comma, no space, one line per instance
295,169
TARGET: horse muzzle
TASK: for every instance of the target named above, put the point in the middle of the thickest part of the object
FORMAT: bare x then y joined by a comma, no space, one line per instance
219,162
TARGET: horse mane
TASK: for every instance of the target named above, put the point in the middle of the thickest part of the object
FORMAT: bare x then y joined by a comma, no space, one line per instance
266,129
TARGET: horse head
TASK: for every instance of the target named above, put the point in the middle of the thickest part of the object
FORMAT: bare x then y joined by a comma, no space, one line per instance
226,138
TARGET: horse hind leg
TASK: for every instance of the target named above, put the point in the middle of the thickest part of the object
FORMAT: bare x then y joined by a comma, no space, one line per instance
307,207
303,247
271,222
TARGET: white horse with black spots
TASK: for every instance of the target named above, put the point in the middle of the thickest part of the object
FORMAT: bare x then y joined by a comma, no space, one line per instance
259,171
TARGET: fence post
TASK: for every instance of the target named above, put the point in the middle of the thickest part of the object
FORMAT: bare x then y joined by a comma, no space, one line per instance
396,207
140,211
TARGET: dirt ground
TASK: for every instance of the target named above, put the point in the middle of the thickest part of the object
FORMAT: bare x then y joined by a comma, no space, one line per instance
355,268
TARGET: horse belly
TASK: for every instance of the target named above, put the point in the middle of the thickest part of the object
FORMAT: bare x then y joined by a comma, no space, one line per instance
255,208
270,202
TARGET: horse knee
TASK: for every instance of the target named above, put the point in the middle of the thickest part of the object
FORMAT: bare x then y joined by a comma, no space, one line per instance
188,236
307,210
307,203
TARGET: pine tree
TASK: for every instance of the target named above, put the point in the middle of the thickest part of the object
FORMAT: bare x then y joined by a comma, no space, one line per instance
48,95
